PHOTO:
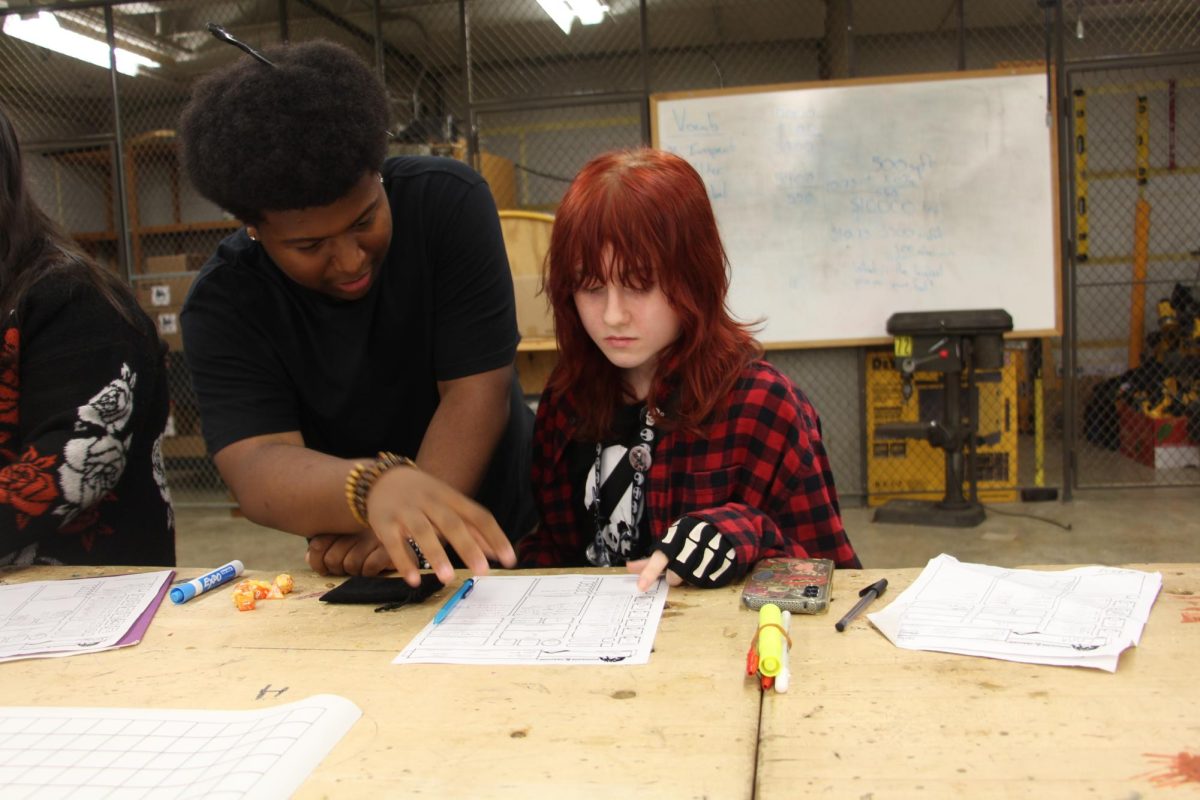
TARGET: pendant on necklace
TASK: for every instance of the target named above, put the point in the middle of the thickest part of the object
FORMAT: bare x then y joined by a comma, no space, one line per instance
639,457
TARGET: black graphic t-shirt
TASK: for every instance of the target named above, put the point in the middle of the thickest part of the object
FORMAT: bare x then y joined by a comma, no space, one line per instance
622,537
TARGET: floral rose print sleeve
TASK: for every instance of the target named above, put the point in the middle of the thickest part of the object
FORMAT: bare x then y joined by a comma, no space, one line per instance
83,407
27,483
94,456
48,483
67,426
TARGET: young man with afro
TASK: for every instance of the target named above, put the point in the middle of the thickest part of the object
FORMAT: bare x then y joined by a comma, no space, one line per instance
362,317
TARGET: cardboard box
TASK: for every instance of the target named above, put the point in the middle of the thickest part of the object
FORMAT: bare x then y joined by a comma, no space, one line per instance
162,292
180,262
166,322
534,368
534,319
1159,442
183,447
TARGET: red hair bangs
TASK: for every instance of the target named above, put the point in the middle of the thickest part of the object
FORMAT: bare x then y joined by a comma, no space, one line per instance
651,209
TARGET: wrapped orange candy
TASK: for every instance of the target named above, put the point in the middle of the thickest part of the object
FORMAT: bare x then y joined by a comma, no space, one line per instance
243,598
247,593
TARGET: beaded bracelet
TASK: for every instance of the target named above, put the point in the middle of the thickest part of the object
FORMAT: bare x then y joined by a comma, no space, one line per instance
363,476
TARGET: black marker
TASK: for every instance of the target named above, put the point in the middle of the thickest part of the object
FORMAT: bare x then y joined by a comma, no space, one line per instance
868,594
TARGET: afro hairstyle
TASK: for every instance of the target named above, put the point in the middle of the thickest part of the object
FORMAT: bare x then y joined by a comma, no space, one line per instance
300,134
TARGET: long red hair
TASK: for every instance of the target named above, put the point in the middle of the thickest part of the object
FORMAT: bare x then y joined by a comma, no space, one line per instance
651,208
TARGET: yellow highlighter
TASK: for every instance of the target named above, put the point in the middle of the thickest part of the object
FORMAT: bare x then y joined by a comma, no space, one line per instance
770,640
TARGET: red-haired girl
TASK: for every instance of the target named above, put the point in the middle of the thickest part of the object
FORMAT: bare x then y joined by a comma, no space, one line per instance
662,440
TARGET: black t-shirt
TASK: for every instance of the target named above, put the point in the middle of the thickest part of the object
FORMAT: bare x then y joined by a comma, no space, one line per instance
355,377
623,541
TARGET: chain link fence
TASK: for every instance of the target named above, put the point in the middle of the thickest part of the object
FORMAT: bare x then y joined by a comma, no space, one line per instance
1137,287
530,97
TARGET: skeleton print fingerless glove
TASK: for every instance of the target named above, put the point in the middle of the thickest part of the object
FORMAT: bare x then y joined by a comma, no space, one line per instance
698,553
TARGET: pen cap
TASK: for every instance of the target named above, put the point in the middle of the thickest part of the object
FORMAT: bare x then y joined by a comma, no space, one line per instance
877,587
770,640
182,593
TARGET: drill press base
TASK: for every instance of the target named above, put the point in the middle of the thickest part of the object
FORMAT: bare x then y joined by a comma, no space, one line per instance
929,512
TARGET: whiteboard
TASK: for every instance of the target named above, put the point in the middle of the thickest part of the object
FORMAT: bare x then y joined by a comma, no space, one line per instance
840,204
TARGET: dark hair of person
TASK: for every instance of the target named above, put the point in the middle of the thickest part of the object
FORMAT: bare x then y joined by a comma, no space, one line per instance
651,208
32,246
297,134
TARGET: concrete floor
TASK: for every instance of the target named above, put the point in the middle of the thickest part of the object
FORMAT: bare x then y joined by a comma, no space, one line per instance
1106,527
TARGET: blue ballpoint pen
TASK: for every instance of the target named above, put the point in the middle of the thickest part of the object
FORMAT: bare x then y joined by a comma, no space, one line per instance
462,592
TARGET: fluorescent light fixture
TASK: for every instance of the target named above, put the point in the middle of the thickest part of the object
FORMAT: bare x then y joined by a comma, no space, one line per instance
44,31
565,12
558,10
590,12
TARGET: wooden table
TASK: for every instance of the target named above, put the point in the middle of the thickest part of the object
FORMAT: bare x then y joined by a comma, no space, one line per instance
685,725
863,719
867,719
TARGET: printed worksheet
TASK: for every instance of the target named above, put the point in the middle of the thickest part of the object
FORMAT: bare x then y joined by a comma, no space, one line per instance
1077,617
82,615
544,619
168,753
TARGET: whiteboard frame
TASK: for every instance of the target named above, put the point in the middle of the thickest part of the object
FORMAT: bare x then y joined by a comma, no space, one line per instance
1052,143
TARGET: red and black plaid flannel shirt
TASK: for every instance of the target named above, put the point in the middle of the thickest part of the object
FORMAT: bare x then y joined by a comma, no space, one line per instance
759,474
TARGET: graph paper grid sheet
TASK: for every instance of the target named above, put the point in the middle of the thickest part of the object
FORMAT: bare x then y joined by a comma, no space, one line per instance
161,753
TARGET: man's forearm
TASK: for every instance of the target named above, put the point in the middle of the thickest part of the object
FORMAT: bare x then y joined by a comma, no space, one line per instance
289,487
282,484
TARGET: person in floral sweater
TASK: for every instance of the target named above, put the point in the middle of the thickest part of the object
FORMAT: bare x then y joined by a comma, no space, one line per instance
662,441
83,399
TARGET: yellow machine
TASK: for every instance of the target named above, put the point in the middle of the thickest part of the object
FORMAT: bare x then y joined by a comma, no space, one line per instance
914,469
